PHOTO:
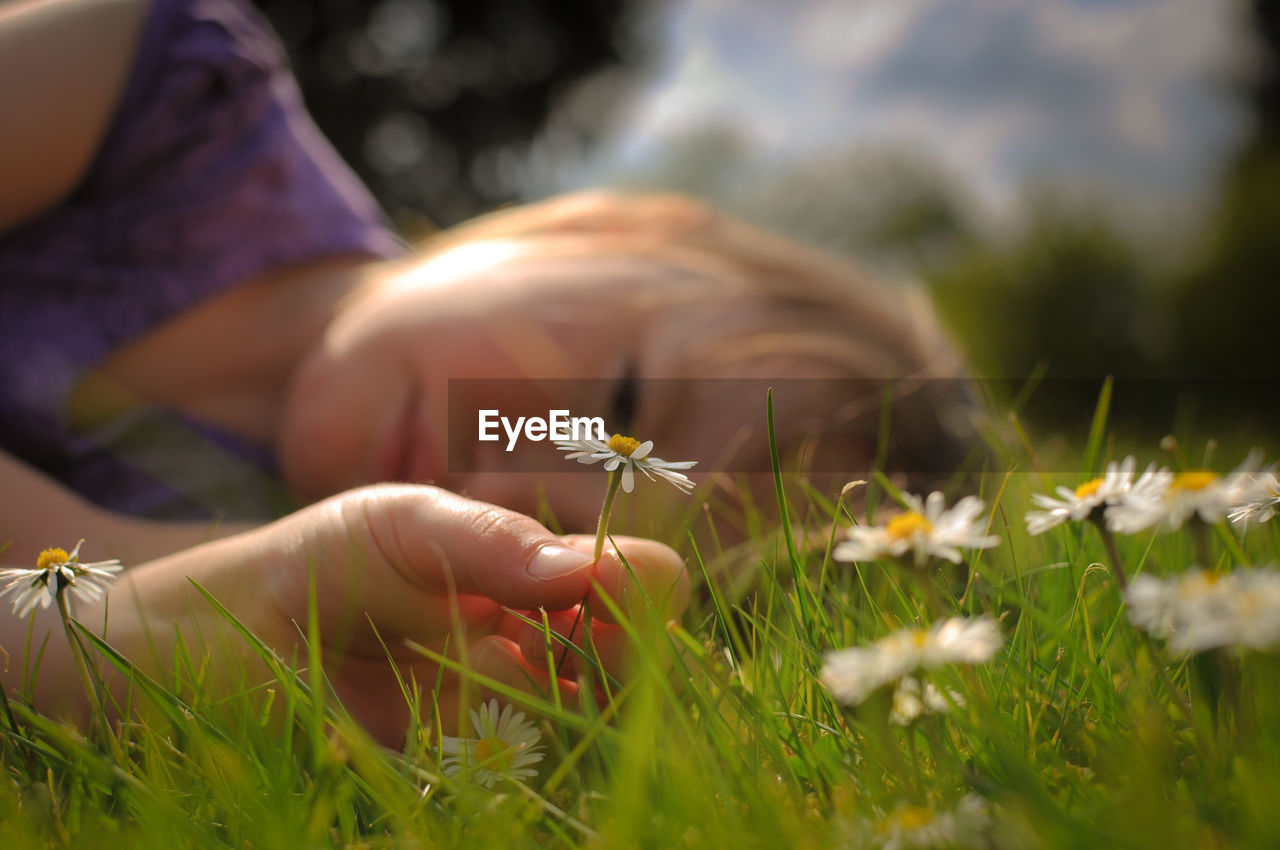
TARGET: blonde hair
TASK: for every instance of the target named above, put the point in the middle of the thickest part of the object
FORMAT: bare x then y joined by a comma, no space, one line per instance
821,315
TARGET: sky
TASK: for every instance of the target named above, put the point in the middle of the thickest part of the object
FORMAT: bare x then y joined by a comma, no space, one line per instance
1130,97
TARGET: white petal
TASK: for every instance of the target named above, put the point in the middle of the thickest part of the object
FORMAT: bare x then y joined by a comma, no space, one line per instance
934,506
659,463
679,480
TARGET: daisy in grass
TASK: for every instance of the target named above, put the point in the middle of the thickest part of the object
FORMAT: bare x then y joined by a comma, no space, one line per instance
1264,505
912,700
1204,609
1200,493
1090,499
630,454
927,530
627,454
55,571
963,825
506,746
854,674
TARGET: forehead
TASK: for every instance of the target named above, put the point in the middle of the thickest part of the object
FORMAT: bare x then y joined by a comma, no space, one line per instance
574,261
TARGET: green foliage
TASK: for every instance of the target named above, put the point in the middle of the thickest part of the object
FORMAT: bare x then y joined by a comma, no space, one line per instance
1067,297
724,735
1227,298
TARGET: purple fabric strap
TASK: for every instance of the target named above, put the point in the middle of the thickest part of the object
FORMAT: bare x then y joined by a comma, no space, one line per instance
210,174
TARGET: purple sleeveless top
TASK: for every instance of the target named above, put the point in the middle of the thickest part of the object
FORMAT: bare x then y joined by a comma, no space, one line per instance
209,174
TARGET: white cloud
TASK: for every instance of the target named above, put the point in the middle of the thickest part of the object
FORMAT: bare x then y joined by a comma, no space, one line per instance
1123,93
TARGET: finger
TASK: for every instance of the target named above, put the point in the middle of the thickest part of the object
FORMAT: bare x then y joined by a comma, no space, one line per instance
653,574
449,544
611,646
500,659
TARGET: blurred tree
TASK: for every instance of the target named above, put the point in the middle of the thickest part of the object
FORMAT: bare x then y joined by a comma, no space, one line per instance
433,102
1070,294
1068,301
712,161
1228,300
890,208
897,209
1066,298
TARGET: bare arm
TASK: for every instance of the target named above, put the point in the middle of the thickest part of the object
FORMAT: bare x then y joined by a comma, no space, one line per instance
37,513
419,563
63,66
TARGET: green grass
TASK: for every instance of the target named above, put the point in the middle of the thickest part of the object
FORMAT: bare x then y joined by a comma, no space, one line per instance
723,735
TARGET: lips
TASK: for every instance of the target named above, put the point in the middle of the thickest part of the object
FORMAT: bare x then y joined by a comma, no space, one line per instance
392,457
420,462
407,451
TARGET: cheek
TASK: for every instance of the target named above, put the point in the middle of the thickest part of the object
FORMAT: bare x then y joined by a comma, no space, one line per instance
334,411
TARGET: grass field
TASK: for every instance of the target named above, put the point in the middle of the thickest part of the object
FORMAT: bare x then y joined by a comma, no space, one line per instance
1079,731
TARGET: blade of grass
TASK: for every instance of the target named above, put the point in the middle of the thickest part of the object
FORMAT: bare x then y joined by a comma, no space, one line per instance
1098,427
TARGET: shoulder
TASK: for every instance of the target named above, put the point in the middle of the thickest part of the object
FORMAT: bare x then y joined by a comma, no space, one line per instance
63,69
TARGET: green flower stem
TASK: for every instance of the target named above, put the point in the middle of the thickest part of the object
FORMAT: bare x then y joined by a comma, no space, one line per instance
873,716
1117,569
602,527
602,531
1113,554
1162,671
1234,696
1207,678
91,686
8,713
937,608
1200,540
1207,685
917,773
924,577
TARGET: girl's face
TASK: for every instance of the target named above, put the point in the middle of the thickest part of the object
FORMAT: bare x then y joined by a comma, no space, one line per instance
493,326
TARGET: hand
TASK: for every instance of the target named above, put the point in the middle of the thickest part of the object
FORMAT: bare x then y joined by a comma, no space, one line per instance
423,565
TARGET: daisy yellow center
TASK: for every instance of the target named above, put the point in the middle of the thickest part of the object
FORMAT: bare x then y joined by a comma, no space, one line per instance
623,445
49,557
494,753
1193,479
911,817
905,526
1198,584
1088,488
919,637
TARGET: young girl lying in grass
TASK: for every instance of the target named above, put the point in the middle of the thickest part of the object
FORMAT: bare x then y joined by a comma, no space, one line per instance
202,316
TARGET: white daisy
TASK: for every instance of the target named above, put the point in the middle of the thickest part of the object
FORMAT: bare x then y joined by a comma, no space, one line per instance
630,454
1264,506
1195,492
56,570
928,529
912,700
1095,494
506,746
963,825
1202,610
854,674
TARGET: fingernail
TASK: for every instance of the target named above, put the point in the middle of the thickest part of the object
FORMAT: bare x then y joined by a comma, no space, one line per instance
554,561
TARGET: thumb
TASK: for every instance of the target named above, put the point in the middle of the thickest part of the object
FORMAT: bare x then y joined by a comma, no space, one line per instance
445,543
